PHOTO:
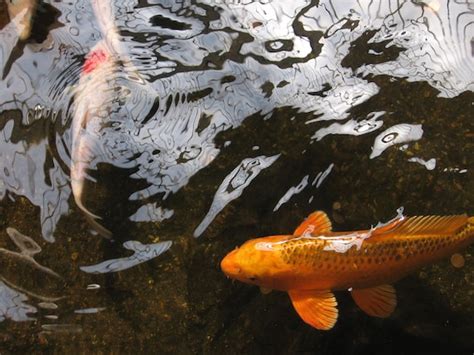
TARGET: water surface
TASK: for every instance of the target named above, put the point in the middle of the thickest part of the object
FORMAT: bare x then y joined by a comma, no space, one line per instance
212,123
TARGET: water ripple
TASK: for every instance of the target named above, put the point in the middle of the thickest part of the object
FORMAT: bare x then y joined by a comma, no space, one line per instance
183,73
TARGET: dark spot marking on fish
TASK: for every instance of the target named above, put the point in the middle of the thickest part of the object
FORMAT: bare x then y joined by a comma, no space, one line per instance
369,260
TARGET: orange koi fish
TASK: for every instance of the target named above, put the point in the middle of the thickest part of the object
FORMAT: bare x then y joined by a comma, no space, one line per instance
315,261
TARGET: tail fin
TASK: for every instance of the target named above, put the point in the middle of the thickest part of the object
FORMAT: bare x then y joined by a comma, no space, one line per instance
99,228
469,229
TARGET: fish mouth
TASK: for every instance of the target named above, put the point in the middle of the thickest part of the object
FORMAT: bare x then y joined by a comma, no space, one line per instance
229,266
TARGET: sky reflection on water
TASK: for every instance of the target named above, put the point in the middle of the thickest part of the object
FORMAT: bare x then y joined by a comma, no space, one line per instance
156,133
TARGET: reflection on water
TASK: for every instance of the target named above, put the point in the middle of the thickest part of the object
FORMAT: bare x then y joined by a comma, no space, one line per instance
163,121
233,185
292,191
397,134
428,164
151,213
142,253
89,310
318,180
13,305
34,273
61,328
22,276
352,127
213,118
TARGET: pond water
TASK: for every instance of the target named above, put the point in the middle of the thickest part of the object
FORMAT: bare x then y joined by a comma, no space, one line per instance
141,141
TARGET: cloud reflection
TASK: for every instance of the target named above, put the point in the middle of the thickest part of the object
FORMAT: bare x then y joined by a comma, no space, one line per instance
142,253
183,73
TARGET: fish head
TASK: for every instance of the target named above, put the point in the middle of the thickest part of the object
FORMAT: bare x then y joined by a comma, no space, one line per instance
256,262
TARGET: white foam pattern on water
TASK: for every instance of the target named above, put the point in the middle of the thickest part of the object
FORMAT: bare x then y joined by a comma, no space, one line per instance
233,186
184,72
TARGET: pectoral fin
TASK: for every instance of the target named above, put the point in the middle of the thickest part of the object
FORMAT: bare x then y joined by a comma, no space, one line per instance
379,301
317,308
316,222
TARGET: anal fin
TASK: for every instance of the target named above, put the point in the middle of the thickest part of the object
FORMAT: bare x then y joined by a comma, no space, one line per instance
315,307
379,301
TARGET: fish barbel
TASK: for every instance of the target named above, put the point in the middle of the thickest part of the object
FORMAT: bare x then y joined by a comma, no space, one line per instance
315,261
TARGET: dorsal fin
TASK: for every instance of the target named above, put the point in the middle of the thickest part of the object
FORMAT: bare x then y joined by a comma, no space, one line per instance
317,222
387,227
428,225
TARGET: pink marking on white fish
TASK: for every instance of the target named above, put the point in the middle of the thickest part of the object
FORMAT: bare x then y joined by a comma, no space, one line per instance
93,60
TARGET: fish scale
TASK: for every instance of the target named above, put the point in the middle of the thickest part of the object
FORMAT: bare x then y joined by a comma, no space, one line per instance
410,250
